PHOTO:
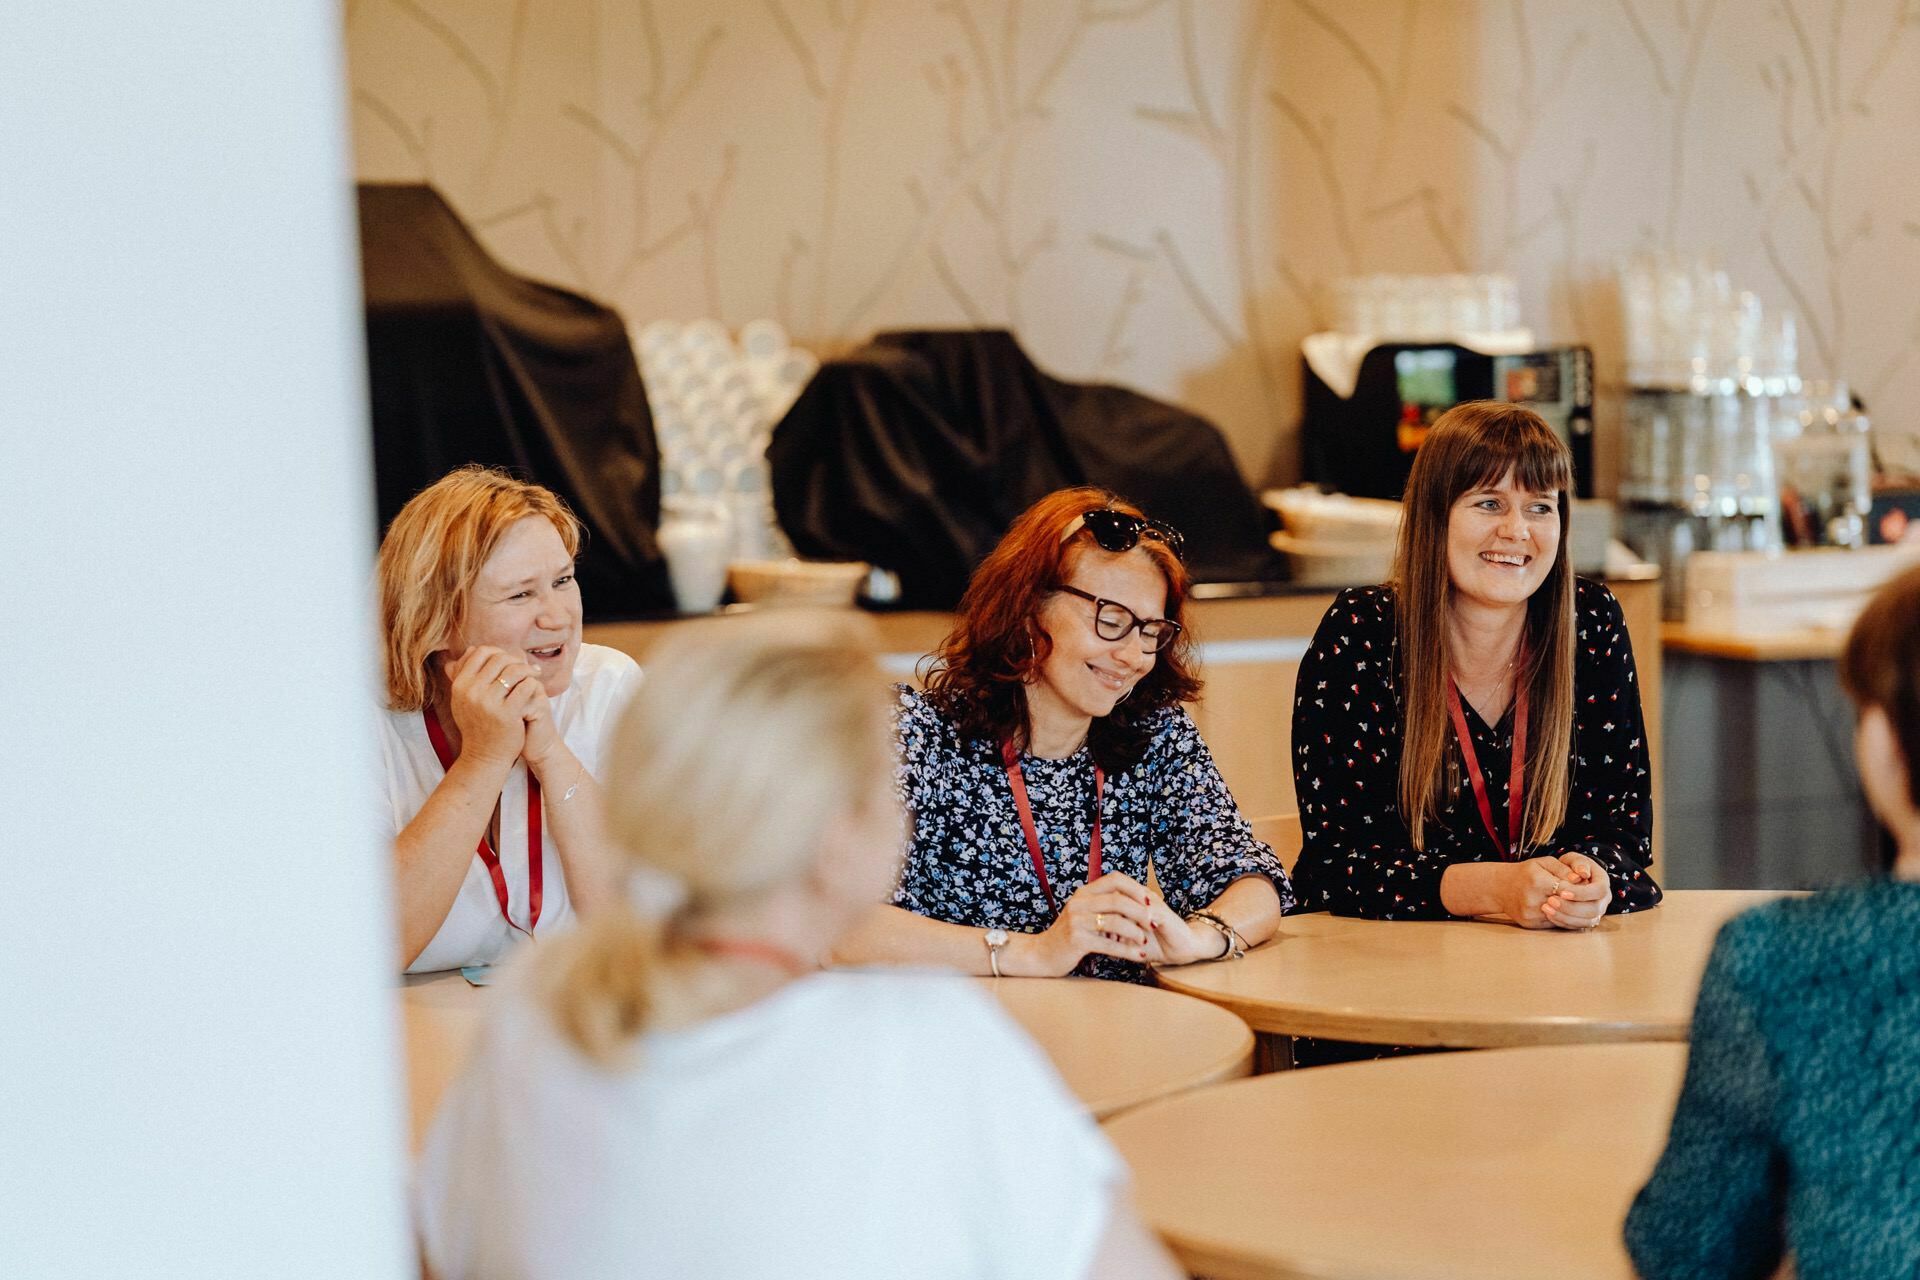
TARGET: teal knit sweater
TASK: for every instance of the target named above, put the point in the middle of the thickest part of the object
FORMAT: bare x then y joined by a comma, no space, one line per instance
1798,1127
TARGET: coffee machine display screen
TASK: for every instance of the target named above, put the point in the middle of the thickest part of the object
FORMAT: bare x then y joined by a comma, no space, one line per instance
1536,381
1426,377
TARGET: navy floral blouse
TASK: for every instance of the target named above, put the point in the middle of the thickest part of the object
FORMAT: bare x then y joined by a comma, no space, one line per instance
1358,859
968,862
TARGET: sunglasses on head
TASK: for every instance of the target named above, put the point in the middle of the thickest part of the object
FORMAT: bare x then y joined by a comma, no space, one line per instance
1118,531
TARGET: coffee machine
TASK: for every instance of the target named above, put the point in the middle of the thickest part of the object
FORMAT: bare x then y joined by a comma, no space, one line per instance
1368,407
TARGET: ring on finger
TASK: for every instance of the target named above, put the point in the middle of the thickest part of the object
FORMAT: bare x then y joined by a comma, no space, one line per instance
505,683
1100,921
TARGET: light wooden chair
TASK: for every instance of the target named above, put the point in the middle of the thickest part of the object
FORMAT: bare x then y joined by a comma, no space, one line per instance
1282,831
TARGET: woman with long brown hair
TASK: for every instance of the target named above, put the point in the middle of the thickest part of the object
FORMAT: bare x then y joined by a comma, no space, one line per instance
1049,763
1468,739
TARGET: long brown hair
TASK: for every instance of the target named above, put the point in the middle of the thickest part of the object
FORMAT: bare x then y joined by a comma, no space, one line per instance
978,675
1470,446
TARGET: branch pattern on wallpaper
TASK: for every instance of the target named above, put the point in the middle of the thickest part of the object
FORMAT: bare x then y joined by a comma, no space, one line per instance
1160,192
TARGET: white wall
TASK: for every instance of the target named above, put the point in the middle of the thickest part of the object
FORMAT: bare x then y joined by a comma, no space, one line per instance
198,1071
1156,192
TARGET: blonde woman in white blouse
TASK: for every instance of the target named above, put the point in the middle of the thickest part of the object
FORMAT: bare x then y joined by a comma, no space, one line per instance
692,1097
495,721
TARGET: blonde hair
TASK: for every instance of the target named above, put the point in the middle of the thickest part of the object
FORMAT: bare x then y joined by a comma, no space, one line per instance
1472,445
748,736
431,557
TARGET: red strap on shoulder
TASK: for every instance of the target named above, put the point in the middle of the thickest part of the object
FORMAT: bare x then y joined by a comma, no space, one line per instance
1010,756
488,858
1509,848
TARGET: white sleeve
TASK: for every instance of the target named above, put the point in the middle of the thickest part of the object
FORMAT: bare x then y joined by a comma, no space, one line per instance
1042,1179
615,685
386,822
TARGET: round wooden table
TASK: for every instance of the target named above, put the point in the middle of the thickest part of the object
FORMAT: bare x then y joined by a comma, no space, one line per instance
1474,984
1115,1044
1118,1044
1510,1163
442,1013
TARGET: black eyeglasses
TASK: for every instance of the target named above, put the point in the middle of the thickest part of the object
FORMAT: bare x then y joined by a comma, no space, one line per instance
1118,531
1113,620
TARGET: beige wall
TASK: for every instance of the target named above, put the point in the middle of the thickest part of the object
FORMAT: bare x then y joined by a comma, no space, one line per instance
1154,191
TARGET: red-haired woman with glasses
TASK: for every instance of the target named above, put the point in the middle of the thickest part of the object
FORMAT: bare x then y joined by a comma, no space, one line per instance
1049,763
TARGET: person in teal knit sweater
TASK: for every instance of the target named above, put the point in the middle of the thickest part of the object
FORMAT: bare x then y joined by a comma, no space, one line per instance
1798,1128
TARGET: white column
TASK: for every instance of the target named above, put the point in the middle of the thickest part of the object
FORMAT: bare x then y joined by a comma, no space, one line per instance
198,1056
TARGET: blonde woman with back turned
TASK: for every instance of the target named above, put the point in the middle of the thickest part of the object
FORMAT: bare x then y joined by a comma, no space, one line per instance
693,1097
496,718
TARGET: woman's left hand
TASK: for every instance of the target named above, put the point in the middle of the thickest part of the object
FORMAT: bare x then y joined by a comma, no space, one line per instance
544,747
1582,903
1171,940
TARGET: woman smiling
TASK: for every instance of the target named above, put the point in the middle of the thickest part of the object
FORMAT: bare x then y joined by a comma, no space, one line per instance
1468,739
496,717
1049,763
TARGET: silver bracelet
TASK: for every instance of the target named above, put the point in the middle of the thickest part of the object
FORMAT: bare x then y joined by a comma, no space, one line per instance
1236,945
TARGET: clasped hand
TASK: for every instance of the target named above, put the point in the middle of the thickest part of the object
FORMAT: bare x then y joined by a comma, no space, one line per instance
1570,891
502,709
1118,916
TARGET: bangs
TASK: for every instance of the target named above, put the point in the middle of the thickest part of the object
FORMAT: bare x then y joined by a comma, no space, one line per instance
1539,459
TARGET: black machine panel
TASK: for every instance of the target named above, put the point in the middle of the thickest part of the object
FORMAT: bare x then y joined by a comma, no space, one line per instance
1364,444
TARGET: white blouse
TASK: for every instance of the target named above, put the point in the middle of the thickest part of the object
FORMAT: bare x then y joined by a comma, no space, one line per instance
851,1126
604,681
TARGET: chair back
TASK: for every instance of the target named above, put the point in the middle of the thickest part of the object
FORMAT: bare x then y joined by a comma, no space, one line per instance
1282,831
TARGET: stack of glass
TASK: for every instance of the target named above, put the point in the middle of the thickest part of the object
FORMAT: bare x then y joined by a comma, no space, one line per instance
1713,382
1425,308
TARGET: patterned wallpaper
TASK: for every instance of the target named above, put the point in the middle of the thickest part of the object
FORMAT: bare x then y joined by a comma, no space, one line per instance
1156,192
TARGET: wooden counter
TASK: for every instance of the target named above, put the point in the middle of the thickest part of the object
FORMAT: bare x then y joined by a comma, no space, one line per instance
1801,645
1250,651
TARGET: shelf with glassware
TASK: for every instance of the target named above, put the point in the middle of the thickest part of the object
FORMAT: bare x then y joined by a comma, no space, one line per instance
1725,447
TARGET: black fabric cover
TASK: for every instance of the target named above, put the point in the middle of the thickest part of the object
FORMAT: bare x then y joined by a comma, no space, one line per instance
916,452
468,362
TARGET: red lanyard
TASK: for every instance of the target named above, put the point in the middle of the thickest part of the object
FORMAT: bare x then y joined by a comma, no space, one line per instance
1011,756
1510,847
757,952
491,860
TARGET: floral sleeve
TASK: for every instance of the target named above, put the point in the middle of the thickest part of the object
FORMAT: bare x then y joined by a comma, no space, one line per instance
1201,842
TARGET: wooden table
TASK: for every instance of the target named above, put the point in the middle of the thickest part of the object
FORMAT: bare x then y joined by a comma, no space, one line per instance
1471,984
1511,1163
1114,1043
1117,1044
442,1014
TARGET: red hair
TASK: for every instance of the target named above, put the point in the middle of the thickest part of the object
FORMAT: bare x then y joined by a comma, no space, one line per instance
978,675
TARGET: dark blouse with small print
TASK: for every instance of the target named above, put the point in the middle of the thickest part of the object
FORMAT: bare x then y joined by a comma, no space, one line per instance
1357,857
968,862
1798,1126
